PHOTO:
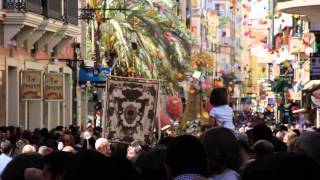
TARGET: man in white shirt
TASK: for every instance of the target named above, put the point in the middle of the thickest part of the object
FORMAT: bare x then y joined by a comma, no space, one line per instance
5,157
102,145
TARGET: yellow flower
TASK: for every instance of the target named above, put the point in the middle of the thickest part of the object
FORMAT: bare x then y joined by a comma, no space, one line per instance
149,13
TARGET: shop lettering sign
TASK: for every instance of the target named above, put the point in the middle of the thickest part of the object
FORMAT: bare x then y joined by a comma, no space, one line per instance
31,85
53,86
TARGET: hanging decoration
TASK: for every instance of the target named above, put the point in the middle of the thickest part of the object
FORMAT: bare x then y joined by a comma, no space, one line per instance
208,106
202,61
296,16
174,107
165,119
270,15
144,34
263,21
278,15
247,33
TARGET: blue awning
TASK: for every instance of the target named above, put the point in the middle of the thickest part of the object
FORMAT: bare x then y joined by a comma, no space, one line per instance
96,75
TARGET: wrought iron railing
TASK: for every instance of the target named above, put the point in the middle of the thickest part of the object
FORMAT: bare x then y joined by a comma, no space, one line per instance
18,5
63,10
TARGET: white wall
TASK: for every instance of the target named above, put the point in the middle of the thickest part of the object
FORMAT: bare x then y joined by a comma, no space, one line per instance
12,92
34,109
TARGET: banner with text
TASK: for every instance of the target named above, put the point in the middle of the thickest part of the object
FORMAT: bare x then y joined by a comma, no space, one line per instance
53,86
31,85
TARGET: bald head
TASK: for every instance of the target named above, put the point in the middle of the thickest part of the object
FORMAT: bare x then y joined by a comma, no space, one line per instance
68,149
44,150
27,149
102,145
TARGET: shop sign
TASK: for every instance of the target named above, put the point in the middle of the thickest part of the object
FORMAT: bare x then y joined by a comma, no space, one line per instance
54,86
315,68
31,85
98,75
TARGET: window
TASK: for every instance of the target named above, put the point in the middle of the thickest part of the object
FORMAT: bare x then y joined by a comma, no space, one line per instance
218,9
297,29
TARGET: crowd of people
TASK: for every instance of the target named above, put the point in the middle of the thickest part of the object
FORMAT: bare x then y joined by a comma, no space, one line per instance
220,152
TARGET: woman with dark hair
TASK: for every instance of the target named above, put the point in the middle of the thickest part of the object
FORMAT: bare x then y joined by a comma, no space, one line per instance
221,114
223,153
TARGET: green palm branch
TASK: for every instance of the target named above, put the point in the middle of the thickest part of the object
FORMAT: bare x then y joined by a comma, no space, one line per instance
163,46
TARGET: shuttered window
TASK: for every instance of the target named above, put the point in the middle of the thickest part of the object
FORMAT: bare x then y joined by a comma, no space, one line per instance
71,11
34,6
54,9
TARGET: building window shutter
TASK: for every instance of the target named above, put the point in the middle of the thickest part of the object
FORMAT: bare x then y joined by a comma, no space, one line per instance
34,6
72,11
54,9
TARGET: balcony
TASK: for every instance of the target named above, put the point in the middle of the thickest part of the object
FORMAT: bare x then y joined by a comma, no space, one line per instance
36,23
310,8
63,10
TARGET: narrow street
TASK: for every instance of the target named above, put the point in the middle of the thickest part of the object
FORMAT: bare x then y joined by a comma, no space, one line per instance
159,89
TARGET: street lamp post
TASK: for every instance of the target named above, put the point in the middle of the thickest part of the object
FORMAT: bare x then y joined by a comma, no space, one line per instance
73,64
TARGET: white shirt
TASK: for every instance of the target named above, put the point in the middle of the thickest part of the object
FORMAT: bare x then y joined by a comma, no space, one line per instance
223,116
4,161
227,175
302,122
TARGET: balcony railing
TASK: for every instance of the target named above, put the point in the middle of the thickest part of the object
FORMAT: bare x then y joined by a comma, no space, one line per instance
63,10
23,5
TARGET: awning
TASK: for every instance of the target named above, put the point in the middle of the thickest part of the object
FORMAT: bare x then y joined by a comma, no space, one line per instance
311,84
95,75
310,8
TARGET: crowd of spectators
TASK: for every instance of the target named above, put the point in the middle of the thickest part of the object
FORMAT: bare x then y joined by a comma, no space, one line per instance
218,154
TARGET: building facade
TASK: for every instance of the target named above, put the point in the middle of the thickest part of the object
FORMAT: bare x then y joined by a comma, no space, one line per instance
298,43
40,36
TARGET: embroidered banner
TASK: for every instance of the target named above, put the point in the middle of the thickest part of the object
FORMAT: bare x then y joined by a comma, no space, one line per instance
131,106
